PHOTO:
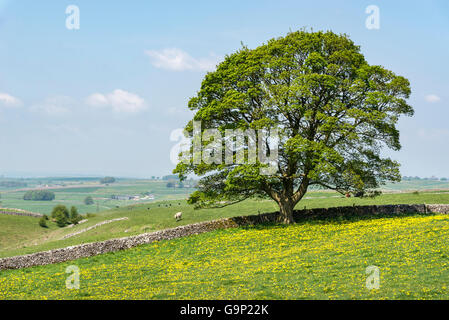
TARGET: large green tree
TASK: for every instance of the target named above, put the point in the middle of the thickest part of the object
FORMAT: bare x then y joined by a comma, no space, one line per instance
334,113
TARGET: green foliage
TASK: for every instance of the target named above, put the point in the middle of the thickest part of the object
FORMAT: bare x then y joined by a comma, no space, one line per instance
61,215
39,195
43,221
89,201
334,113
106,180
61,219
60,208
170,185
75,217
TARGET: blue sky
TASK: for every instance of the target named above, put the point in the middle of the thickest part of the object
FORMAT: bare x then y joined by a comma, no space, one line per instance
104,99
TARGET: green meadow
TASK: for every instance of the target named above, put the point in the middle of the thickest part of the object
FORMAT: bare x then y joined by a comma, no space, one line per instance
313,260
318,259
73,192
22,235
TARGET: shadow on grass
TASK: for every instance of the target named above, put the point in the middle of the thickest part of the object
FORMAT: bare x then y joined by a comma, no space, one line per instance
337,219
350,218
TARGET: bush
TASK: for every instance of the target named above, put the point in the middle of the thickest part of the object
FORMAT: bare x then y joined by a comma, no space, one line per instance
106,180
74,216
60,208
61,215
61,219
89,201
43,221
39,195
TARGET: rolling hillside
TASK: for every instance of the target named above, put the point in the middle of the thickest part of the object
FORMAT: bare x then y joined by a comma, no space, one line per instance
22,235
310,260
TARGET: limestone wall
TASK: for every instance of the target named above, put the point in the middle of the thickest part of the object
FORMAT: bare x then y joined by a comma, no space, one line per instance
18,212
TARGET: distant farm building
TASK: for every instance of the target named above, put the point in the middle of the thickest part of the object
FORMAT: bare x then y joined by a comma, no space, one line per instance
122,197
132,197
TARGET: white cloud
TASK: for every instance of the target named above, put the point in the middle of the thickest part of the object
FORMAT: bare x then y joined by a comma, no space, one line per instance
433,98
119,100
178,60
97,100
9,101
54,106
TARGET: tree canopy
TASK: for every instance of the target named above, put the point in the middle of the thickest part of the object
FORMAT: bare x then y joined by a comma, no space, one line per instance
39,195
89,200
107,180
334,113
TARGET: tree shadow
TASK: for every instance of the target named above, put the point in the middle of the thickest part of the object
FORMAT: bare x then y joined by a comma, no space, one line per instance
351,218
320,216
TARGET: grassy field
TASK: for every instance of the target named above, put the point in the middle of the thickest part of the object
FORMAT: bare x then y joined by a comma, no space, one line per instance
309,260
22,235
415,184
74,192
140,220
313,260
15,230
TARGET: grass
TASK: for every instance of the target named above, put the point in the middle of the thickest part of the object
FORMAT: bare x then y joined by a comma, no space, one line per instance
310,260
77,189
417,185
141,220
20,229
75,195
23,235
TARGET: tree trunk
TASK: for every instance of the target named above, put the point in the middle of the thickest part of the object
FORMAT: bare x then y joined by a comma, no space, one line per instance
286,210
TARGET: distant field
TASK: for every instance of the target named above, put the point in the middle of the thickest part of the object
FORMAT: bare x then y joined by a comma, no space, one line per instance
311,260
74,196
73,191
25,236
422,184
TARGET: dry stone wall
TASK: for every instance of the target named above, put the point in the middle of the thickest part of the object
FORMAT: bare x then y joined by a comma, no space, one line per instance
92,249
92,227
18,212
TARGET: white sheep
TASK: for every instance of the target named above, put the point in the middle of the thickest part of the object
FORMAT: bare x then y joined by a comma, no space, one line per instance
178,216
